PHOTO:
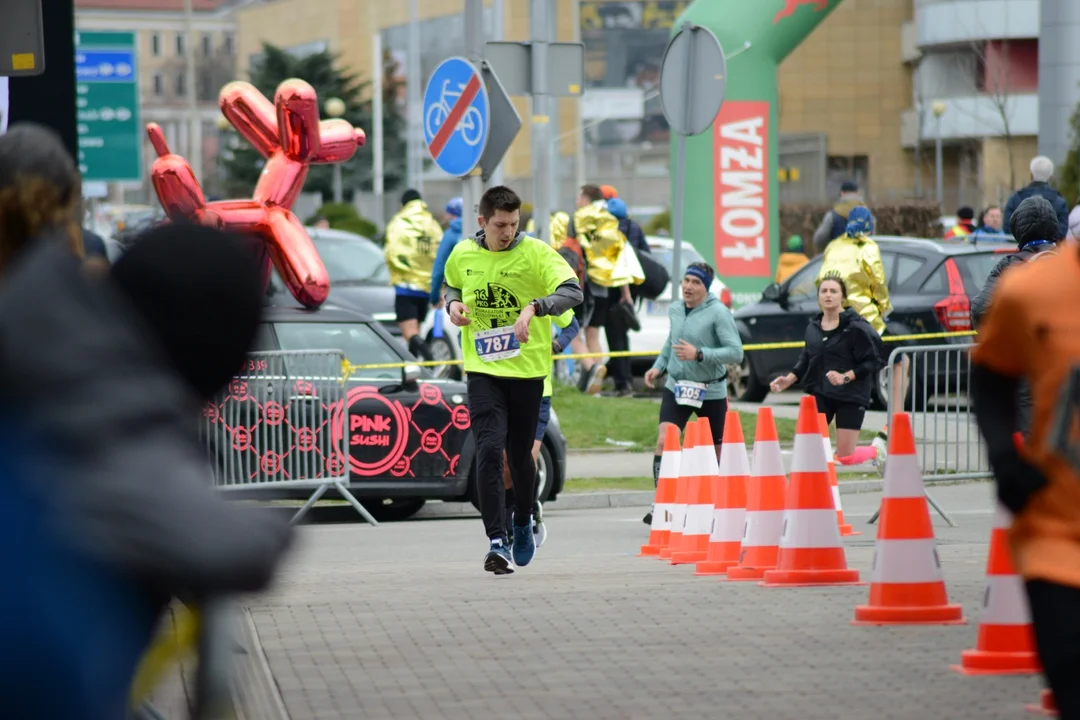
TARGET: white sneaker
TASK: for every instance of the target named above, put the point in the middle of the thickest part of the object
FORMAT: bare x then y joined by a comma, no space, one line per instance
879,444
539,528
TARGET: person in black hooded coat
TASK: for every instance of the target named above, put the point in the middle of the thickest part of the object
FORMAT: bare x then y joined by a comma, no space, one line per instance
1035,227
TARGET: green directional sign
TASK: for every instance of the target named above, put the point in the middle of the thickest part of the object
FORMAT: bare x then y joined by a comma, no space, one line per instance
107,105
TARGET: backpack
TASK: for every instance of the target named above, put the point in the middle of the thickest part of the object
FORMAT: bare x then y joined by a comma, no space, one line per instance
574,256
656,277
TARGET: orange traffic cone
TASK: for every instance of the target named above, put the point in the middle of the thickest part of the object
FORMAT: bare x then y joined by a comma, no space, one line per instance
1046,705
810,549
660,532
1006,643
694,544
906,584
729,494
687,461
764,503
845,528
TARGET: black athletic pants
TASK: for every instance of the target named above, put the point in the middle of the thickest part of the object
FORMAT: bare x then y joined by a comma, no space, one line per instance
1055,613
504,412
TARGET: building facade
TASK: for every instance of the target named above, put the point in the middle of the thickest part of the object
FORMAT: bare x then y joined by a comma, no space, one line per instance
162,36
857,98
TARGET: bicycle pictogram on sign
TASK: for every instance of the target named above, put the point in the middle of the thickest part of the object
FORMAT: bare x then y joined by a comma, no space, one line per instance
471,125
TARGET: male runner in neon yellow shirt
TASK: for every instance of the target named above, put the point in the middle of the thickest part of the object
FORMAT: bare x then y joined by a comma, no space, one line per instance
501,288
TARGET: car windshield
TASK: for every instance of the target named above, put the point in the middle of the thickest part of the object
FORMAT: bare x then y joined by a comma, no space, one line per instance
347,262
357,260
666,256
360,344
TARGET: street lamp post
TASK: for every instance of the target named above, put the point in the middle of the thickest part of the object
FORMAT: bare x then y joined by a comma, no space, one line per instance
938,108
335,108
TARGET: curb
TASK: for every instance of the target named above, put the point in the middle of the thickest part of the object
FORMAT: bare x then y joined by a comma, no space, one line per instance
635,498
255,692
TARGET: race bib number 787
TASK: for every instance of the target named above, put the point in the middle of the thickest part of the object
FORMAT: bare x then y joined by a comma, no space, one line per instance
496,344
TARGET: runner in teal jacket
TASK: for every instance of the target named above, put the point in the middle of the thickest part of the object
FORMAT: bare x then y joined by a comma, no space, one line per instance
702,342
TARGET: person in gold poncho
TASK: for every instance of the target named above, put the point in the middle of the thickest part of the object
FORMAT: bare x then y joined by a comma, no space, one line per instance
856,259
412,243
611,263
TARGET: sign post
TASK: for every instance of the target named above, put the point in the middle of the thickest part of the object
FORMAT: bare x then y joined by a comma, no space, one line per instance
693,77
544,71
107,106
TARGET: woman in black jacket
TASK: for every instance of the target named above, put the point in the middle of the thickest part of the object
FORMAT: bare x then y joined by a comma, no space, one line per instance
837,366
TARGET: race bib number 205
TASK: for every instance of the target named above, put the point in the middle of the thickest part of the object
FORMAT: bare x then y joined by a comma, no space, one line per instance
496,344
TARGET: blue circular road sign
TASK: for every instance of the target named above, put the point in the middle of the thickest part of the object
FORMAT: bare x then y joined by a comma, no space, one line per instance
456,116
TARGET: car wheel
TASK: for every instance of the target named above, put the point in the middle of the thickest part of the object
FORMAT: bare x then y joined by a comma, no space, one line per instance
747,386
443,349
545,470
394,509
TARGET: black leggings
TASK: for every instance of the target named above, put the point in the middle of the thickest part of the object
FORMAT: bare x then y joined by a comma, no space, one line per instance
504,412
1055,613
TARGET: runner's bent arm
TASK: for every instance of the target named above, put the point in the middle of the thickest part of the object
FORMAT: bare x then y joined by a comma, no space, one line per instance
865,352
561,282
566,296
729,344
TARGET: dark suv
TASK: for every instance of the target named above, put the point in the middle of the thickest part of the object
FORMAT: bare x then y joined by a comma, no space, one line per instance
931,285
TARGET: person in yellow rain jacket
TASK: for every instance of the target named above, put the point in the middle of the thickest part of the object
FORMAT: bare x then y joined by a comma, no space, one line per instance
556,229
791,260
610,263
856,259
412,242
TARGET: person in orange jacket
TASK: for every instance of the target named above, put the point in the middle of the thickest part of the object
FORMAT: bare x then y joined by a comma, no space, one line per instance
1028,336
791,260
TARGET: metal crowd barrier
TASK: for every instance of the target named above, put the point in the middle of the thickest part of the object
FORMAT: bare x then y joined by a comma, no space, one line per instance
947,440
280,424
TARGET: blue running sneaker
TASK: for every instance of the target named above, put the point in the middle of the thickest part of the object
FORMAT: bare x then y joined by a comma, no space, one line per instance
498,559
524,546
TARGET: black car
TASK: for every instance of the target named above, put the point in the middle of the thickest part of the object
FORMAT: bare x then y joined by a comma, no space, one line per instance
360,280
931,285
390,413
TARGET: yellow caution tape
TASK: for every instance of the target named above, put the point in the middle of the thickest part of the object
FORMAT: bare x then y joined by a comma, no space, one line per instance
348,369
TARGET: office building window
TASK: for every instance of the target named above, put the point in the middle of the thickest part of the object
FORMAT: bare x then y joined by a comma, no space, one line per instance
159,85
155,45
181,85
207,45
179,44
228,43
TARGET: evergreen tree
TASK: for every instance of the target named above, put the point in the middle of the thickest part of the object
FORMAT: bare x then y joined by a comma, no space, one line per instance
243,164
1068,177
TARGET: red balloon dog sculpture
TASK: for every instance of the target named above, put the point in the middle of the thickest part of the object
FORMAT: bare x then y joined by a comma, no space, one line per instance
289,134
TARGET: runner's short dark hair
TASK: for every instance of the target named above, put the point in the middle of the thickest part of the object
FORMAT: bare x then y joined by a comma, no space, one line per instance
593,192
499,197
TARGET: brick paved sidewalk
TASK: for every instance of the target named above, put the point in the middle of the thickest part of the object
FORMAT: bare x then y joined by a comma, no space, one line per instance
400,622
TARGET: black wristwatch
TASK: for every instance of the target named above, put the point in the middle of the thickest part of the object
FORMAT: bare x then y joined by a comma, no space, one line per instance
700,355
847,378
535,306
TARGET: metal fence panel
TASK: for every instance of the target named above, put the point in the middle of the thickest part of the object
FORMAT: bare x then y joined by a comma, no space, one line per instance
280,424
947,439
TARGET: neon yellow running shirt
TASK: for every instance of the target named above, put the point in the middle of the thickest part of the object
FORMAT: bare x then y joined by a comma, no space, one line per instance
495,286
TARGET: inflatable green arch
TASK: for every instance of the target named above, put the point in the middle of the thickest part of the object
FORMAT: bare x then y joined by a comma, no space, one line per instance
732,211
